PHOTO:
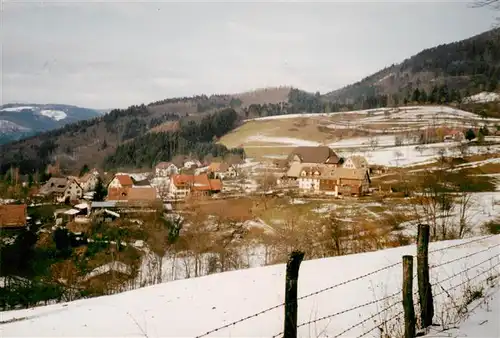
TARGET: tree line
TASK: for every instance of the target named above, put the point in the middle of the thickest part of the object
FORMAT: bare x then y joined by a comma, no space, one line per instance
193,138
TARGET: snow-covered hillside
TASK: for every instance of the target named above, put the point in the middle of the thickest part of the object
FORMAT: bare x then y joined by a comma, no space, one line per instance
38,118
351,292
54,114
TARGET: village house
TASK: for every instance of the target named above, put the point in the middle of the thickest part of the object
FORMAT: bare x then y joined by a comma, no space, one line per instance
222,170
166,169
88,181
309,178
62,189
13,216
184,185
314,156
356,162
345,182
121,181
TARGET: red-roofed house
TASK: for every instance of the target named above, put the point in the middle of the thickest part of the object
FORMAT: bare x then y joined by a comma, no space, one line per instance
121,181
183,185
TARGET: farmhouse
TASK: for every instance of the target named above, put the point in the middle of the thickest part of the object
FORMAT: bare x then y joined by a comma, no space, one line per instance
309,178
121,181
314,155
222,170
199,185
166,169
13,216
345,182
89,181
62,189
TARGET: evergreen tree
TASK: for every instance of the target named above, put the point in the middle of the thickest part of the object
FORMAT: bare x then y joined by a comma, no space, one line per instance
30,180
85,169
100,190
416,95
423,96
470,135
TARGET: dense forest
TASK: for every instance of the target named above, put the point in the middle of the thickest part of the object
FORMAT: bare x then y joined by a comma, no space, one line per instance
194,138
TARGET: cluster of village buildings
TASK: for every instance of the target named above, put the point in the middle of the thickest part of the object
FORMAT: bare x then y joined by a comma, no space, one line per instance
310,170
320,170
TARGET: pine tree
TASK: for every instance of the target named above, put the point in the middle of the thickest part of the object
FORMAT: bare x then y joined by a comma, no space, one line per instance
100,190
423,96
416,95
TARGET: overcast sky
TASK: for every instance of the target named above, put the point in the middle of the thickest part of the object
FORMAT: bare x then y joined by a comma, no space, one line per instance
107,55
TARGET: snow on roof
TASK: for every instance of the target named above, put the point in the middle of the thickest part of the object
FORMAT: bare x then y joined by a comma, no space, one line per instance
104,204
71,212
81,206
219,298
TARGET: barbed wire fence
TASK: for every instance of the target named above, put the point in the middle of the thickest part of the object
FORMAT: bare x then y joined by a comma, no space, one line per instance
393,311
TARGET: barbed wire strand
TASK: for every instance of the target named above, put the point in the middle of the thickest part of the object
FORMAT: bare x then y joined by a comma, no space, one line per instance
466,281
367,319
460,272
347,282
384,322
463,243
463,257
343,311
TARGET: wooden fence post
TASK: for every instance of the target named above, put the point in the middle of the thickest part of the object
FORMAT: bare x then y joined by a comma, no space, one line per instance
292,276
409,311
424,285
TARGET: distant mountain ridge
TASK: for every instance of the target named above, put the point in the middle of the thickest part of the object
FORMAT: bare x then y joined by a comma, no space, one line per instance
20,120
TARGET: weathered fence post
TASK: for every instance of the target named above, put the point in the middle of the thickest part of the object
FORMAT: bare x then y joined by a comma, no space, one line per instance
424,285
409,311
292,276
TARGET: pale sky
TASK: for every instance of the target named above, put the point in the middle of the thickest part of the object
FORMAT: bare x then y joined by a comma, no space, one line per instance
115,54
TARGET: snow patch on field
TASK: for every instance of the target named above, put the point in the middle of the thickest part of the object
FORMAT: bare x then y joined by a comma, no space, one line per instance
56,115
194,306
285,140
483,97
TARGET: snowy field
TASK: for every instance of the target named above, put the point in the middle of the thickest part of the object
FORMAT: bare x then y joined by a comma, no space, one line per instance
193,307
383,125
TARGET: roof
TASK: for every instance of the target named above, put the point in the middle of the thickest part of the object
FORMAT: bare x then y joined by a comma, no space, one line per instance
71,212
55,184
82,206
347,173
163,165
182,180
320,154
294,170
142,194
312,169
125,180
201,183
359,161
197,182
104,204
218,167
87,176
13,215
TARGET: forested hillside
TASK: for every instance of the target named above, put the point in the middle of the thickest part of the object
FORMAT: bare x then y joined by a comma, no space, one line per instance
119,138
468,66
195,138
